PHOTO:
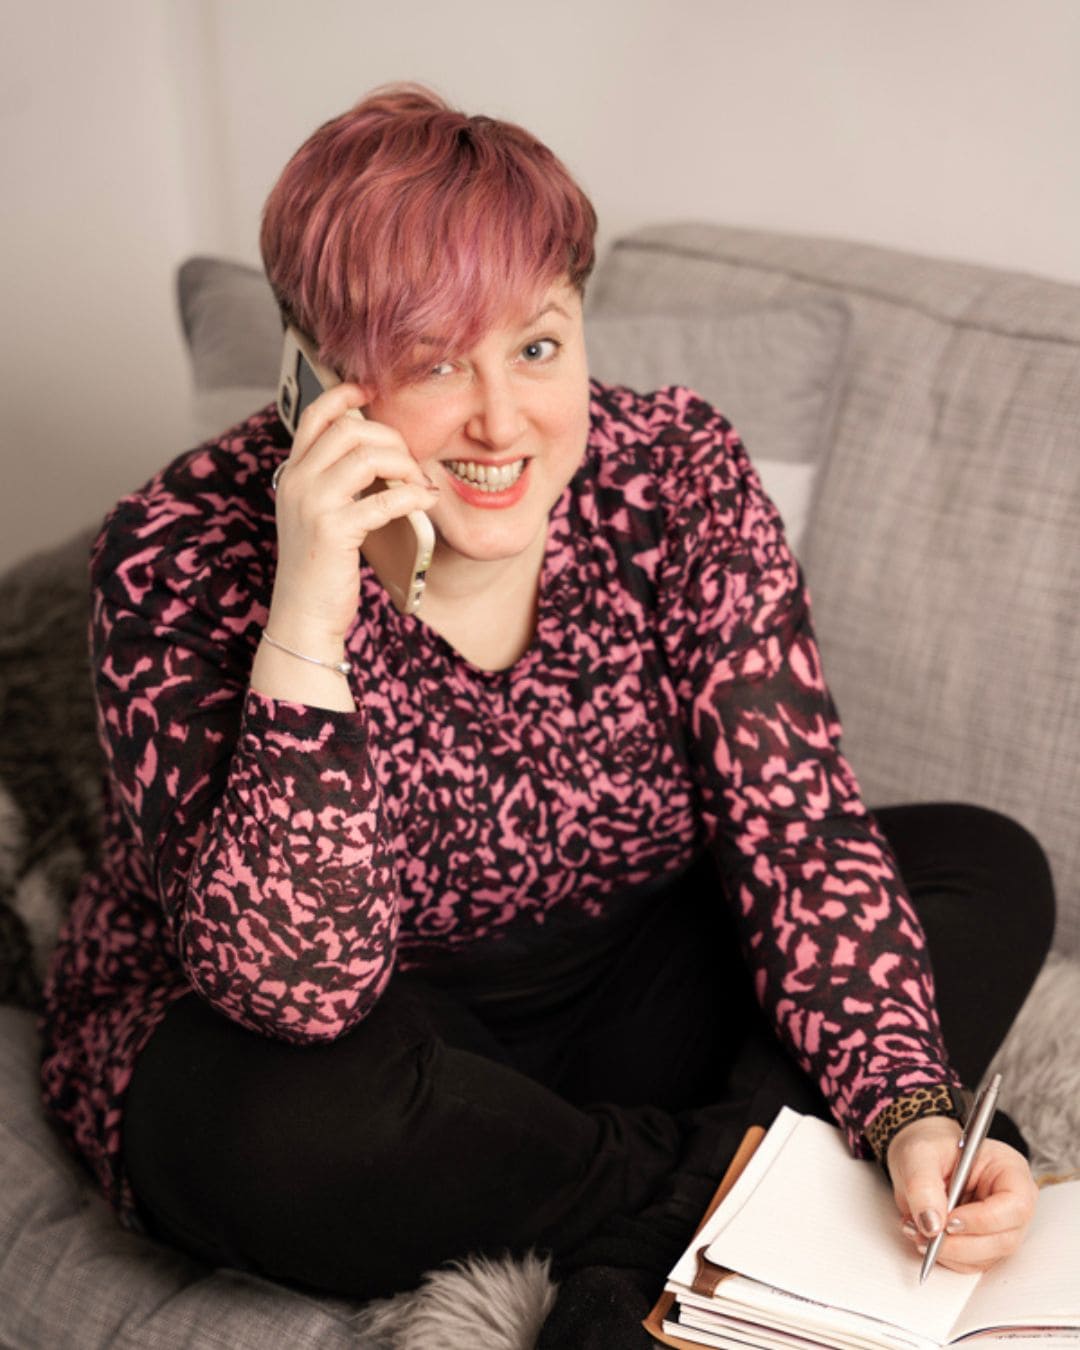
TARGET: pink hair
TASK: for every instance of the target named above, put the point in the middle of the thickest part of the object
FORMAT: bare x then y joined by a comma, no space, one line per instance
403,219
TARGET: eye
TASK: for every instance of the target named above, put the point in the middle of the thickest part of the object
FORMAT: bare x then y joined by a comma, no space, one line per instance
542,349
443,368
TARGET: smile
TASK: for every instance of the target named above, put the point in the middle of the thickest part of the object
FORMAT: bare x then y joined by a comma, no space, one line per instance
486,477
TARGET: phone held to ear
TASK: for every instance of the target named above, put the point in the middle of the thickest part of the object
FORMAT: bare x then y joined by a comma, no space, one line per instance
400,552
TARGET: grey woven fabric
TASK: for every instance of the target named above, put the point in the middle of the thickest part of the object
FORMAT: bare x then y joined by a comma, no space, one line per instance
71,1279
944,554
737,363
233,332
775,372
230,321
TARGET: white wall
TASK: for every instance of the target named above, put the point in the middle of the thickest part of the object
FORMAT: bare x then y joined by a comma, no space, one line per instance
133,132
94,218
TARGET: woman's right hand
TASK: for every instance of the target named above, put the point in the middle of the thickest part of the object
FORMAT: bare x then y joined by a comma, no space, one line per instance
321,523
322,520
995,1211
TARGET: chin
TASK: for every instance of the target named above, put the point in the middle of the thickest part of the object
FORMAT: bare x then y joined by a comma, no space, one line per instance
489,541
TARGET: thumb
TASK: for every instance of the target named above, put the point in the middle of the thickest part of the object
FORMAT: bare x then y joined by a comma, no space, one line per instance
920,1158
925,1199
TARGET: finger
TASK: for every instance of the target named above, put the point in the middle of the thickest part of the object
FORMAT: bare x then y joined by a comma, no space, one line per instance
1001,1212
340,436
970,1253
323,411
353,475
351,433
371,513
978,1220
335,465
355,471
922,1199
920,1158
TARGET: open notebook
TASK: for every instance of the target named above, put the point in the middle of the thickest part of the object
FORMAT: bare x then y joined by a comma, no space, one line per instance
805,1251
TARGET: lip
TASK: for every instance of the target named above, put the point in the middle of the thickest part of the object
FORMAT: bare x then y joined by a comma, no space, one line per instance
492,501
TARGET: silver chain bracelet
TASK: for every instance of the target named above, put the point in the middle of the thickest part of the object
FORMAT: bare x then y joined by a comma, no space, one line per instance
342,667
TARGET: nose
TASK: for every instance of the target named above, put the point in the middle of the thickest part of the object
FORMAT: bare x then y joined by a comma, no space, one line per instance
497,418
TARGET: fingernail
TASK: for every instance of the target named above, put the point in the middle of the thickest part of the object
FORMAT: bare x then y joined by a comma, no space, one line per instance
954,1226
910,1229
930,1222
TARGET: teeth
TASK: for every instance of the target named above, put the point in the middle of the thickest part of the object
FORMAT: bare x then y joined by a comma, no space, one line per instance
487,477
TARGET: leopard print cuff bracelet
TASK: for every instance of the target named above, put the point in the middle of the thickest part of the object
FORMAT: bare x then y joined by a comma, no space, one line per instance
940,1100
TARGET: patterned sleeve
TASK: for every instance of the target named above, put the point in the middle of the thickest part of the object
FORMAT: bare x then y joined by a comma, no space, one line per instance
256,822
837,953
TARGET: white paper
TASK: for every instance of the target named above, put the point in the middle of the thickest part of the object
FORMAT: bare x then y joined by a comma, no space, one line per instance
824,1226
1042,1277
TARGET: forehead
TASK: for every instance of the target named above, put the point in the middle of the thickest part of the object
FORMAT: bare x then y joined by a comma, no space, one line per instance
559,300
557,303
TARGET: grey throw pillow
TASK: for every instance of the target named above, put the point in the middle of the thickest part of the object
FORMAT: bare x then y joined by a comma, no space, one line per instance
231,323
233,332
775,373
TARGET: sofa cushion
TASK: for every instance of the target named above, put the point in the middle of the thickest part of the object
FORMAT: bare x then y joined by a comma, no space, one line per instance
233,332
944,555
231,323
775,373
72,1279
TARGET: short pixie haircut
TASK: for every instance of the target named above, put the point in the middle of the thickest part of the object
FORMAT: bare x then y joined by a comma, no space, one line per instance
404,221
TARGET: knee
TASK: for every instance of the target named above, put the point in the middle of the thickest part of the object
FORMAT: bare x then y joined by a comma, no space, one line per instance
223,1111
338,1110
1011,855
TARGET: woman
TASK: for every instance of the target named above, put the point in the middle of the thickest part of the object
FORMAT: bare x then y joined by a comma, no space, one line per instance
416,935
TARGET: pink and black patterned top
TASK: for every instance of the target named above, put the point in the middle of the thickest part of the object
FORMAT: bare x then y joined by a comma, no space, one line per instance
281,859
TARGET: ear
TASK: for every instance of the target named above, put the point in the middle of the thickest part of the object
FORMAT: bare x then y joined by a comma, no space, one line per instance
358,396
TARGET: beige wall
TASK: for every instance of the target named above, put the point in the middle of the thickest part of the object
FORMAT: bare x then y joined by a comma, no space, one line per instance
133,132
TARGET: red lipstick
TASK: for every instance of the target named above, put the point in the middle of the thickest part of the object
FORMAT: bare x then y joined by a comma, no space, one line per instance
491,501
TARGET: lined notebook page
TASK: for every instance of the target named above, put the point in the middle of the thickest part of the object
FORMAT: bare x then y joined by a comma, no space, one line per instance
1043,1276
683,1272
824,1225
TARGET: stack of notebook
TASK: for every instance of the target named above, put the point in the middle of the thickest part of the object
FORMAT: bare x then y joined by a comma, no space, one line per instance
802,1248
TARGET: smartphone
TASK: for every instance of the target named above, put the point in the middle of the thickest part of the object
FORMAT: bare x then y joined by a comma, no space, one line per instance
401,551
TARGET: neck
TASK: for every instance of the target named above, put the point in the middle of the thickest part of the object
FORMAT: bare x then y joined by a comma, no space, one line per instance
485,610
455,581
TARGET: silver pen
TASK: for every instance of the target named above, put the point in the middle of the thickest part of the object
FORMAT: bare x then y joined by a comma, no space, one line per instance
969,1143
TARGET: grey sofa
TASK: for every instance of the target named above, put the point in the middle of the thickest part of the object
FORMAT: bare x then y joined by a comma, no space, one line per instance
918,422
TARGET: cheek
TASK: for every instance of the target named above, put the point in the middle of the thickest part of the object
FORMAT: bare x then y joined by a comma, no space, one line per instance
568,413
426,432
575,430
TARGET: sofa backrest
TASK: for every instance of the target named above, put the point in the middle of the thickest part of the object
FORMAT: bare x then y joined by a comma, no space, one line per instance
943,553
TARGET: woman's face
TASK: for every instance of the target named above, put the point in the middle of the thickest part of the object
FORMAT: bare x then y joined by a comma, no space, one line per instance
501,430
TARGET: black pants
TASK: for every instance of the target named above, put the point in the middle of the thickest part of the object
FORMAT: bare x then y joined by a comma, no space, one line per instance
443,1126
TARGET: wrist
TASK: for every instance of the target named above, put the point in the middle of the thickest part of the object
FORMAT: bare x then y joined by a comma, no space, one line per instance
941,1099
305,632
301,663
342,668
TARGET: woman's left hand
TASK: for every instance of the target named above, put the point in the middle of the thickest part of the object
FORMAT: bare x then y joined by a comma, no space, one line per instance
994,1212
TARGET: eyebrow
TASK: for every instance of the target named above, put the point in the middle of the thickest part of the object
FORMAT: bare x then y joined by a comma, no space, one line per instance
551,305
549,308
